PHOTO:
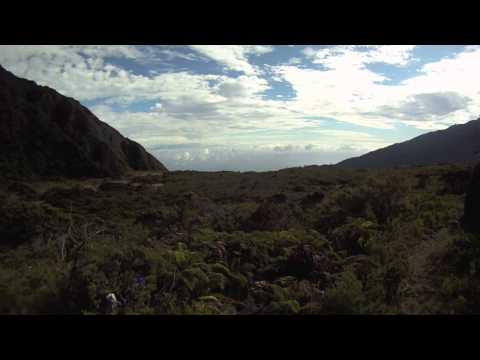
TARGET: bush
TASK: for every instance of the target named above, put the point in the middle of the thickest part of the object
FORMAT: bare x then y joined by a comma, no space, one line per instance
289,307
346,297
21,221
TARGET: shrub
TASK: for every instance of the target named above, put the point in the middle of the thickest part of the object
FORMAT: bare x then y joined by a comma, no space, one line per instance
346,297
288,307
21,221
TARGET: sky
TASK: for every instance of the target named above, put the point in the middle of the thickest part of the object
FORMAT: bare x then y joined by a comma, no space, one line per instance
261,107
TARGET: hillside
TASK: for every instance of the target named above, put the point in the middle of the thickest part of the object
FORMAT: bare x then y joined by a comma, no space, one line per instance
43,133
457,144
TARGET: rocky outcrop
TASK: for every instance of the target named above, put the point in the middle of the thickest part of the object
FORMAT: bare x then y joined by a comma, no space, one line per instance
44,133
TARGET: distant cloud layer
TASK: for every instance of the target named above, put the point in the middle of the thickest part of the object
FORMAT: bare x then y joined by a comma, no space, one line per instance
260,107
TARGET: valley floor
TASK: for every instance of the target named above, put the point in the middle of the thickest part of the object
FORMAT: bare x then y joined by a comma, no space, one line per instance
312,240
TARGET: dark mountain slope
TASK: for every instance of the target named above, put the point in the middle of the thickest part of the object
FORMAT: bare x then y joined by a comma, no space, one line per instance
457,144
43,133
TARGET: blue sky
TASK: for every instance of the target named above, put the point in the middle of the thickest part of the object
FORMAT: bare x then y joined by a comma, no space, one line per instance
261,107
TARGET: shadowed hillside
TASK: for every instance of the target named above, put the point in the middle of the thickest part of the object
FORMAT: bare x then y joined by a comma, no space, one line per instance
457,144
46,134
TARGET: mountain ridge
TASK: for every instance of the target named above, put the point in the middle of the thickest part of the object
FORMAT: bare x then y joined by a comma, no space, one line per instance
44,133
460,143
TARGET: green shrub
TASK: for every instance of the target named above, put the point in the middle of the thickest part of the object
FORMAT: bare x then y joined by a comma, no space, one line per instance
288,307
21,221
346,297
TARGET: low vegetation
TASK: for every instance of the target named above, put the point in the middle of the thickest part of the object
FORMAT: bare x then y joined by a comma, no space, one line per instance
312,240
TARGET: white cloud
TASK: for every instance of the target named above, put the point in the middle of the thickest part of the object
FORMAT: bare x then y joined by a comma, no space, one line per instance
336,57
172,54
157,107
241,86
428,106
445,92
102,51
251,158
294,61
456,75
342,94
309,52
233,57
